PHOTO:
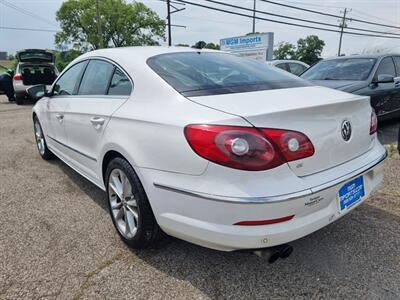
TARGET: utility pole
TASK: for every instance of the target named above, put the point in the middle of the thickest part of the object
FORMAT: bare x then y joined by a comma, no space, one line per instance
99,30
342,26
169,22
254,16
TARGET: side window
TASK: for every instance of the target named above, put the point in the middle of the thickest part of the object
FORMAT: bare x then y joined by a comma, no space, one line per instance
397,63
67,82
96,78
386,67
296,69
283,66
120,84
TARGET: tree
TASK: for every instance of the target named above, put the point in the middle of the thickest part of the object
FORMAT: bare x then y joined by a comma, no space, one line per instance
285,51
309,49
203,44
182,45
63,58
121,23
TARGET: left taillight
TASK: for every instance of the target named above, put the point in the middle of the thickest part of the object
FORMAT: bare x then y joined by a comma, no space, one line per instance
17,76
247,148
374,123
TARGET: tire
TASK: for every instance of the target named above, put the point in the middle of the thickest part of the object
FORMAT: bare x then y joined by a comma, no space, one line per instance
19,100
41,144
132,212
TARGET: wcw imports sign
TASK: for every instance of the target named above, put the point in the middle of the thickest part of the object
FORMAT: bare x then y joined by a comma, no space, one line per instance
256,46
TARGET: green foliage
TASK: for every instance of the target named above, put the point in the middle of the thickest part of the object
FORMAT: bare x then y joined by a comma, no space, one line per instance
203,44
182,45
63,58
308,50
285,51
121,23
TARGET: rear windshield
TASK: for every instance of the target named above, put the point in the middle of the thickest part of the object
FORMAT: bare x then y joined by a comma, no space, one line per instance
357,69
35,56
210,73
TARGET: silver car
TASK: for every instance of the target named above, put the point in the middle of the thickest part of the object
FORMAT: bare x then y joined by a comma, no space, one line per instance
35,66
295,67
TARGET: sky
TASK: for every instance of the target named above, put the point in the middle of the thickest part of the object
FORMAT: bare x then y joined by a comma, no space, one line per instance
211,26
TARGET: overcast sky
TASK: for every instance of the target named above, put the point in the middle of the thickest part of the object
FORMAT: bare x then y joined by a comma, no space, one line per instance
210,26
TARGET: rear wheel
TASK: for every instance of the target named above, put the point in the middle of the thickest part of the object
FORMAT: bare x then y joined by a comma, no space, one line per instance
19,99
44,152
129,207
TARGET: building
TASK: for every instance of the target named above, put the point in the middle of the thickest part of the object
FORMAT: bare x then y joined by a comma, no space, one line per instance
3,55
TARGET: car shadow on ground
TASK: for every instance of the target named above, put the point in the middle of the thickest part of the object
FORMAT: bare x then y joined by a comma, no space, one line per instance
356,256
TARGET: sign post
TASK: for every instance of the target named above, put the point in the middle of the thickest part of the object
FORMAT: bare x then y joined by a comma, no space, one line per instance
255,46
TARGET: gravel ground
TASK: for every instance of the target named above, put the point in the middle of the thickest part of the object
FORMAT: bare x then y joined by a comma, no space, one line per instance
57,242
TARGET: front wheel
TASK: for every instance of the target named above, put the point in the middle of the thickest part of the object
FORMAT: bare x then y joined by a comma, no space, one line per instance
44,152
129,207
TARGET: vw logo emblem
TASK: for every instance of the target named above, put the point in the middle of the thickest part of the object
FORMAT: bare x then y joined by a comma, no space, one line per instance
346,130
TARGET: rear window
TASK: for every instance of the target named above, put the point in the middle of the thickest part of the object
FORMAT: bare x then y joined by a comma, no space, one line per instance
35,56
210,73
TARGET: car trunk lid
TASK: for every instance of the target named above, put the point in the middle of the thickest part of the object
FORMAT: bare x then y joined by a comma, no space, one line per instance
35,56
317,112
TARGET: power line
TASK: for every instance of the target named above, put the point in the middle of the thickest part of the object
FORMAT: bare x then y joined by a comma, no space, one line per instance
328,14
26,29
283,22
26,12
296,19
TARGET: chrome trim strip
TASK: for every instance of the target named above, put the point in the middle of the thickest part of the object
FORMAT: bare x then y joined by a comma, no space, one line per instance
278,198
70,148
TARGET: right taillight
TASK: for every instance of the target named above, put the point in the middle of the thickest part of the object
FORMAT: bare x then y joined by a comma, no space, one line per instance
374,123
17,76
247,148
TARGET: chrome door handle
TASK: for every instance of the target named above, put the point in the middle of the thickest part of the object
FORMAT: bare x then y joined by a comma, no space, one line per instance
59,117
97,121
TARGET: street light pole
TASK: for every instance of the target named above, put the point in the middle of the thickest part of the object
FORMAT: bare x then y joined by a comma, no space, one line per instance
254,16
169,22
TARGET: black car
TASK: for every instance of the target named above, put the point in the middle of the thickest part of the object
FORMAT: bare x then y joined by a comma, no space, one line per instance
377,76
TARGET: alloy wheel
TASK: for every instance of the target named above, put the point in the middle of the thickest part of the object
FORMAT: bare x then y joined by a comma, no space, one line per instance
123,204
39,138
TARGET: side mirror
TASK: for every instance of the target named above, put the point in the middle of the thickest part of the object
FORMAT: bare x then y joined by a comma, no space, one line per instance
383,78
37,91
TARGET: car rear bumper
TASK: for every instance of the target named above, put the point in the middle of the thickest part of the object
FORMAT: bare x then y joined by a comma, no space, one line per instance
207,219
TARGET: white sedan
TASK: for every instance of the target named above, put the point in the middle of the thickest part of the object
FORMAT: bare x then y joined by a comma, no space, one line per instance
209,147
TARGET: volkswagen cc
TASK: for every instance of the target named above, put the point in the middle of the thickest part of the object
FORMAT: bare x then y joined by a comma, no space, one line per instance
211,148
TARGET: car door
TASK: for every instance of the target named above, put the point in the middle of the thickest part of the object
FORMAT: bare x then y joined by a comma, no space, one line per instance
102,90
63,89
383,94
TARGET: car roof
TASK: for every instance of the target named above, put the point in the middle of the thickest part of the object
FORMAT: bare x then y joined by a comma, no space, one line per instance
141,52
379,55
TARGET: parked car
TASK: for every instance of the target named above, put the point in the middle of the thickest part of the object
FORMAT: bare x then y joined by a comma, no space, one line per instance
209,147
377,76
295,67
34,67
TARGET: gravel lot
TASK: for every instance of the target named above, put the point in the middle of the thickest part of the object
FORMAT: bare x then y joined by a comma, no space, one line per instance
57,241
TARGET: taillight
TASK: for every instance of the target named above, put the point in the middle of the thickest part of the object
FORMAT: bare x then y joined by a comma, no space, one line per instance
374,123
17,76
247,148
